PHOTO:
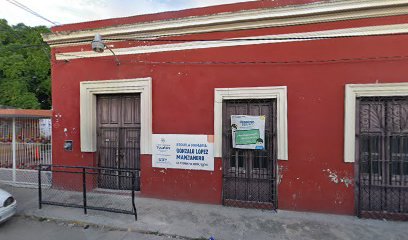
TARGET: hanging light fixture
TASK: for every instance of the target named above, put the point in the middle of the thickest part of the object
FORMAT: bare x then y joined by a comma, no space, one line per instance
99,46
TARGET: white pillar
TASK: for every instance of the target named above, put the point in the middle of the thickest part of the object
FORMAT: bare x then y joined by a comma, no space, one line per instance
14,150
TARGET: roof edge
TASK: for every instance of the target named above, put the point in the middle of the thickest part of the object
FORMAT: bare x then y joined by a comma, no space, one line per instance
25,113
182,13
308,13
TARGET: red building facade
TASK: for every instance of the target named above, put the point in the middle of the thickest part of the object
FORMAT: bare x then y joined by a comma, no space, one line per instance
324,65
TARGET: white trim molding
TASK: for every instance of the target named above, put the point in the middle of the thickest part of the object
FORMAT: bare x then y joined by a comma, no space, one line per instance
267,39
88,92
330,11
279,93
352,92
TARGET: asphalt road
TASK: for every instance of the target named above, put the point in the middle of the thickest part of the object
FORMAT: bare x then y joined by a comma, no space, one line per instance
22,228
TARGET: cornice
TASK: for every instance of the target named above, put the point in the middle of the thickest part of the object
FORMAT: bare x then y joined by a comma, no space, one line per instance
247,19
267,39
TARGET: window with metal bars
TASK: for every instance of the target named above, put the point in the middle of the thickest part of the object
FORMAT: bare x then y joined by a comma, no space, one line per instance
382,163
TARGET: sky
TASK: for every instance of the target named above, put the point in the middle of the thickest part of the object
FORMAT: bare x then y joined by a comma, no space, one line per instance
71,11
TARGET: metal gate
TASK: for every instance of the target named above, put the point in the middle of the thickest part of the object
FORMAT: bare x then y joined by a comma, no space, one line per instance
25,142
249,176
382,157
118,139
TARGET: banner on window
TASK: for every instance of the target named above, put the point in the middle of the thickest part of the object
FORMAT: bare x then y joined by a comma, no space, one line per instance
183,151
248,132
45,127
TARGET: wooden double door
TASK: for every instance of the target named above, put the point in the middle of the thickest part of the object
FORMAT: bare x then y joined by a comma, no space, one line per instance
118,137
249,176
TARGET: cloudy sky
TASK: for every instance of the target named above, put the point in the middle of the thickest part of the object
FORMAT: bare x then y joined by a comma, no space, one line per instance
70,11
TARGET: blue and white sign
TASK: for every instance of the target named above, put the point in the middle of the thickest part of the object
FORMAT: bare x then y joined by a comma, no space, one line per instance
180,151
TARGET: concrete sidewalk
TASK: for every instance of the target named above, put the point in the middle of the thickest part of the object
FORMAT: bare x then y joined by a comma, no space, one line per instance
200,221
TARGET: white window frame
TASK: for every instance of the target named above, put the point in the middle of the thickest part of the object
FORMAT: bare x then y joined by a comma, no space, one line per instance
279,93
88,92
353,91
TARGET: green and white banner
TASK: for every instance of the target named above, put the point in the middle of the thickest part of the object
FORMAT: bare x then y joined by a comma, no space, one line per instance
248,132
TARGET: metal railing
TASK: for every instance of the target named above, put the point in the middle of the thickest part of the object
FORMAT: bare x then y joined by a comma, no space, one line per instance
80,187
24,143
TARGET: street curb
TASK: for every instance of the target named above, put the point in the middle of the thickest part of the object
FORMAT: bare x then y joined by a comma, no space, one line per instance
86,225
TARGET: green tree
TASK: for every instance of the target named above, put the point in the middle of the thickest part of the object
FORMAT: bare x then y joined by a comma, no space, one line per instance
25,75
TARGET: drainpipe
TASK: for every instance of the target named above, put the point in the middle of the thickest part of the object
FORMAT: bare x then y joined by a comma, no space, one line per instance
14,149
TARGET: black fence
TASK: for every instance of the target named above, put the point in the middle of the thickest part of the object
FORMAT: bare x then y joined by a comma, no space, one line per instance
89,188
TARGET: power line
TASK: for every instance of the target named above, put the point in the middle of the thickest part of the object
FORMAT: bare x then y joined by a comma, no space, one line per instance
42,47
17,47
154,39
252,39
240,39
27,9
9,47
325,61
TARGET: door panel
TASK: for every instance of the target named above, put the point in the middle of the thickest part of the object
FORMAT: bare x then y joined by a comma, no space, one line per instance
118,139
249,175
108,155
382,157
